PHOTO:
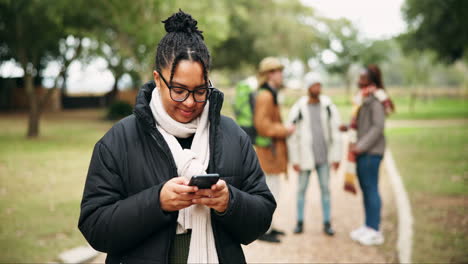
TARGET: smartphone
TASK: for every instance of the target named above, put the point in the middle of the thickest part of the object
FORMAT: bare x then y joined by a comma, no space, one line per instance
204,181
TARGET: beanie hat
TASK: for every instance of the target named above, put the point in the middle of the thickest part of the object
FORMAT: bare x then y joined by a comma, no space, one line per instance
312,78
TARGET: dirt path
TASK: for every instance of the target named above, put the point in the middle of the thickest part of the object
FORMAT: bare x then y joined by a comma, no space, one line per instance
313,245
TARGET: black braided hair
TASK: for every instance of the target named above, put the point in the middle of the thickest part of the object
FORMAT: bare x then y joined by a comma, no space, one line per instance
183,41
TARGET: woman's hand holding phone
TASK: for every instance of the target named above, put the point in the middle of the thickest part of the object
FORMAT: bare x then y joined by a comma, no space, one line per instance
217,197
176,194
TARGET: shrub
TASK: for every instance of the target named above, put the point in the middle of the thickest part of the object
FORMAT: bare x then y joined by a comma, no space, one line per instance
119,110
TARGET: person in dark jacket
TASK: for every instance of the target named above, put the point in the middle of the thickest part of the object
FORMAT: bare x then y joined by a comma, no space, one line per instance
137,205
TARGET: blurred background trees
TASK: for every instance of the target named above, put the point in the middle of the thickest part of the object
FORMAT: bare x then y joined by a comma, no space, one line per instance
124,33
439,26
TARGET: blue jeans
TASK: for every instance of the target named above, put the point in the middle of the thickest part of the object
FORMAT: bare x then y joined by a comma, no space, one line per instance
323,172
368,175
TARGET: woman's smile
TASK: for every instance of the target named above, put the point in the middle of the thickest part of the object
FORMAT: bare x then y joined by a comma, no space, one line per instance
186,113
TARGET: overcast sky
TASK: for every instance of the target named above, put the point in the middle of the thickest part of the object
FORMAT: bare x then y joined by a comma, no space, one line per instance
375,18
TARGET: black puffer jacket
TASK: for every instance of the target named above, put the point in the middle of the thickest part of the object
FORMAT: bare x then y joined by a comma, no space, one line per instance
120,210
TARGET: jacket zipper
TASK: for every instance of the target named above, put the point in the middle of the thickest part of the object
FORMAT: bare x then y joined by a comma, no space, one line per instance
174,168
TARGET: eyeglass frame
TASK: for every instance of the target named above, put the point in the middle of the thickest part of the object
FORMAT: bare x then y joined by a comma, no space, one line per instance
209,89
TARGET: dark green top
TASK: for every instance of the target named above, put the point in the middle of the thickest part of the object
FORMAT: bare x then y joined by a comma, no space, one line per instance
180,248
186,143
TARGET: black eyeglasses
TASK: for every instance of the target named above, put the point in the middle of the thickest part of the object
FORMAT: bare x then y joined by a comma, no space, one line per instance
180,94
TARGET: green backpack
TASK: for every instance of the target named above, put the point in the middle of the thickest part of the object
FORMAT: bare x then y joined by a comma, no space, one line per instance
244,106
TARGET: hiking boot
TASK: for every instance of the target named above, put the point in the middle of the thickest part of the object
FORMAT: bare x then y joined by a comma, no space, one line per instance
327,229
277,232
269,237
298,228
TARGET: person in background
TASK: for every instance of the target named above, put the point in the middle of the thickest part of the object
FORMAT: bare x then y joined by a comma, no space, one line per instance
367,146
314,145
137,204
270,142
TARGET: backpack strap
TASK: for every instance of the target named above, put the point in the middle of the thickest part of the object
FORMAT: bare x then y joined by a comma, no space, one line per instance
329,114
298,117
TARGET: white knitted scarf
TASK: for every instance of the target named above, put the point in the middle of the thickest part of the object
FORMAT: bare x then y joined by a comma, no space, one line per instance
189,162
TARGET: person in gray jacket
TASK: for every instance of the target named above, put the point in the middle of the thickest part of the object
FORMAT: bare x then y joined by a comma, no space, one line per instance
369,149
314,145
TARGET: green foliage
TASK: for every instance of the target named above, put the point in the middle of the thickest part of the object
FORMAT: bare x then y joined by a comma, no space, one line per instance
119,110
31,30
129,31
418,70
376,52
17,35
341,41
265,28
437,25
341,37
237,34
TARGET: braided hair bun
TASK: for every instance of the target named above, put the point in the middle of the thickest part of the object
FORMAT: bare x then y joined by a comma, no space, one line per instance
182,22
183,41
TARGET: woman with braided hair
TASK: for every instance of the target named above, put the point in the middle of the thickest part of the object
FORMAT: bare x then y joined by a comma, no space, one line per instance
367,146
138,206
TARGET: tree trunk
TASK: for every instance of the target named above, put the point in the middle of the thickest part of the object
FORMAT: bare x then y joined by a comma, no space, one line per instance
64,84
412,100
115,88
33,123
347,88
46,99
113,93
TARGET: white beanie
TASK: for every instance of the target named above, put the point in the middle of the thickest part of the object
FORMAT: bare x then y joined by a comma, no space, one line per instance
312,78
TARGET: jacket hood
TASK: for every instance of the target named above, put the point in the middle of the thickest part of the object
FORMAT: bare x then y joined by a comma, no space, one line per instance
143,112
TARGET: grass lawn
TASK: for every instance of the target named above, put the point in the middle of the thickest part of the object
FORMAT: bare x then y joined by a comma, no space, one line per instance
42,182
437,108
433,162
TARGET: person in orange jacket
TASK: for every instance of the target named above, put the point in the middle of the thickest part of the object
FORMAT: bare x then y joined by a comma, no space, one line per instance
270,142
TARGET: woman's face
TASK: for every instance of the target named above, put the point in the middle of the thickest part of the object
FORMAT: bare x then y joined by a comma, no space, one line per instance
189,75
363,80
